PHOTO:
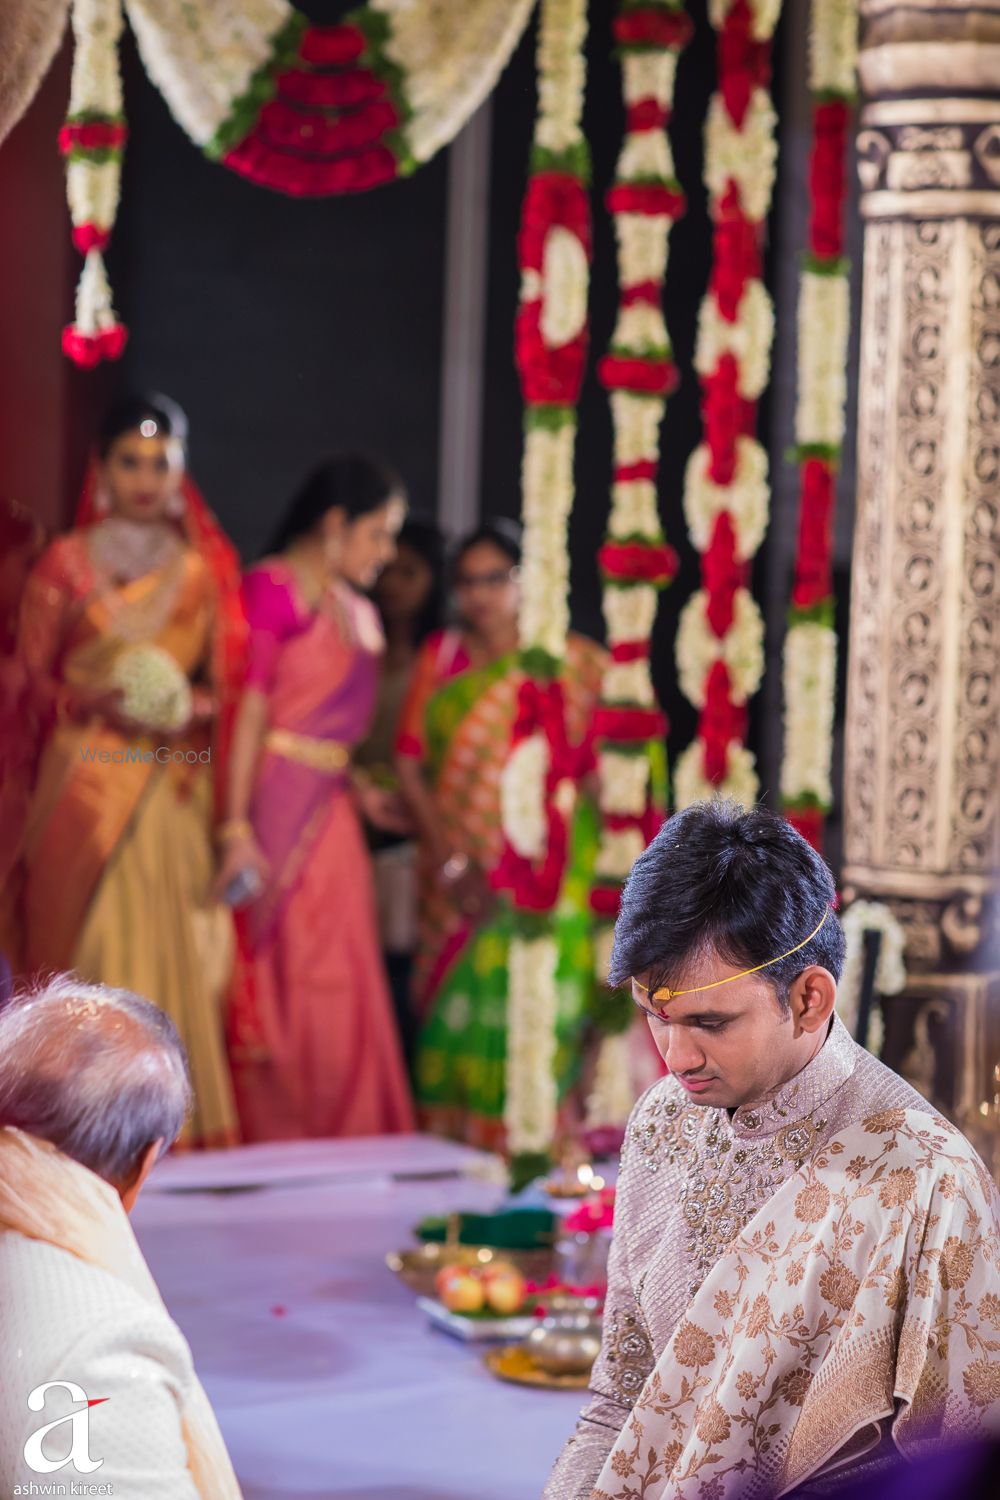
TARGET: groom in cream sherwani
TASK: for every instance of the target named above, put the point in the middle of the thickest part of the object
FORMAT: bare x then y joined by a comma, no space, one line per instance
804,1281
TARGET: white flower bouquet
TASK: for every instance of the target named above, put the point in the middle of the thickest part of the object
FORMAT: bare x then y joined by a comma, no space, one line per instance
154,688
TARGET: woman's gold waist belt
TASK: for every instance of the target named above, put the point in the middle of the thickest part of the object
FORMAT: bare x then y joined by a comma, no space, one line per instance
308,750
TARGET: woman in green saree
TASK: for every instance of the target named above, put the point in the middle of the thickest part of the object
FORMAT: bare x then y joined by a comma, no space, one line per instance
453,741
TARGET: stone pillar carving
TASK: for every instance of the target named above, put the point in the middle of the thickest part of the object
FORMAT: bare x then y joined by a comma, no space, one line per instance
922,764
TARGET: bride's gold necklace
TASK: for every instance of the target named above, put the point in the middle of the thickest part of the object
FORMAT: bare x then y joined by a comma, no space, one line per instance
123,551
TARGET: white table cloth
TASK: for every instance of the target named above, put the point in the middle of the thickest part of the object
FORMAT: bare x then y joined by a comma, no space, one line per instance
325,1378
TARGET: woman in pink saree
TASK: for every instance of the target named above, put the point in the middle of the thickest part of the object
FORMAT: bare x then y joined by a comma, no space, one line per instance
315,1050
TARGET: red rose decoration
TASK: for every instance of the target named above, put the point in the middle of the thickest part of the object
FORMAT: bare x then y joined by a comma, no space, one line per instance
645,198
735,253
89,349
625,651
721,721
646,114
809,822
721,574
813,580
744,64
644,293
301,177
91,237
725,417
554,200
94,135
627,473
549,377
638,562
297,130
627,724
332,46
606,900
652,28
828,180
648,377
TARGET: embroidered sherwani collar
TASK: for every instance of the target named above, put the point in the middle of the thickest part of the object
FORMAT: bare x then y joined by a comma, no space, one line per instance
801,1097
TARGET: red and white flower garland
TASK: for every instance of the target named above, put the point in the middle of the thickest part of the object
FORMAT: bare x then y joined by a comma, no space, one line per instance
810,653
720,638
636,562
92,141
305,110
537,788
315,110
890,971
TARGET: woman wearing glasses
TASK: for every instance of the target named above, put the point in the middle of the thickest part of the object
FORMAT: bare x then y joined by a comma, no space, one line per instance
454,737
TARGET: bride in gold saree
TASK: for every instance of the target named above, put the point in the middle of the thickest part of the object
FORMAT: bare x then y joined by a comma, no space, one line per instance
131,631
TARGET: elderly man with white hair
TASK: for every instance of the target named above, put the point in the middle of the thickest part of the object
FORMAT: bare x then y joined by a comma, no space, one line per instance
98,1393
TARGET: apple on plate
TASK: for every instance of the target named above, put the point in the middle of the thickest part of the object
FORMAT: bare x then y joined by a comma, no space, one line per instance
463,1293
505,1291
446,1274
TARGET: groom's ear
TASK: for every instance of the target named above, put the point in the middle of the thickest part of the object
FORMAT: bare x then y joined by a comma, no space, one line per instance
811,998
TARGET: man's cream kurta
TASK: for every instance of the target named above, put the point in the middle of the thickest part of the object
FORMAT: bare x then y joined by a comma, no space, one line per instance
691,1179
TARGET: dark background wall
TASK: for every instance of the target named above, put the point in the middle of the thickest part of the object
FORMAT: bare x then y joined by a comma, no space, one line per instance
286,328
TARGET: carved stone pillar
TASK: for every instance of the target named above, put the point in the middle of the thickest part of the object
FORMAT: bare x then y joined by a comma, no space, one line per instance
922,766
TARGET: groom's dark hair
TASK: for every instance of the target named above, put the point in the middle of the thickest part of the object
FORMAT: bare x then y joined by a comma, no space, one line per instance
721,879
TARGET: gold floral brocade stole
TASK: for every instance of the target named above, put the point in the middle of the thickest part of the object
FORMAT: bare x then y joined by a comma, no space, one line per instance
831,1312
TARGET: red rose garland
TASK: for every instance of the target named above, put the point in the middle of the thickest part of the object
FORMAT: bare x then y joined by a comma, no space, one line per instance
550,343
810,652
635,561
720,637
538,781
92,142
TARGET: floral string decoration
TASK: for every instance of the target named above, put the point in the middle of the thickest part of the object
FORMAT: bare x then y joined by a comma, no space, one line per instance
92,141
305,110
810,653
890,971
636,562
538,782
720,652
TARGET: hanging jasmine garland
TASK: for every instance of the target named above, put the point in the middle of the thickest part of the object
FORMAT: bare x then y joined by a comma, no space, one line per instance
92,141
810,655
551,347
719,641
636,562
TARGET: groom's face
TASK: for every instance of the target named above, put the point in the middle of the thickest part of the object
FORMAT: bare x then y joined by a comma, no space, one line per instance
734,1043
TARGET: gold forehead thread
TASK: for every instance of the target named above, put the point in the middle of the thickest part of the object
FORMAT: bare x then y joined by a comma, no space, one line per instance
665,994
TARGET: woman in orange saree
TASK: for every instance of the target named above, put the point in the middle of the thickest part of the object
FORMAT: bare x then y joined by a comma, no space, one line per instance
315,1048
131,632
454,739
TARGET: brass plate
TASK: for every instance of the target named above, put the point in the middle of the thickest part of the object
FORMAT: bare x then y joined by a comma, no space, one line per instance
513,1362
418,1267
